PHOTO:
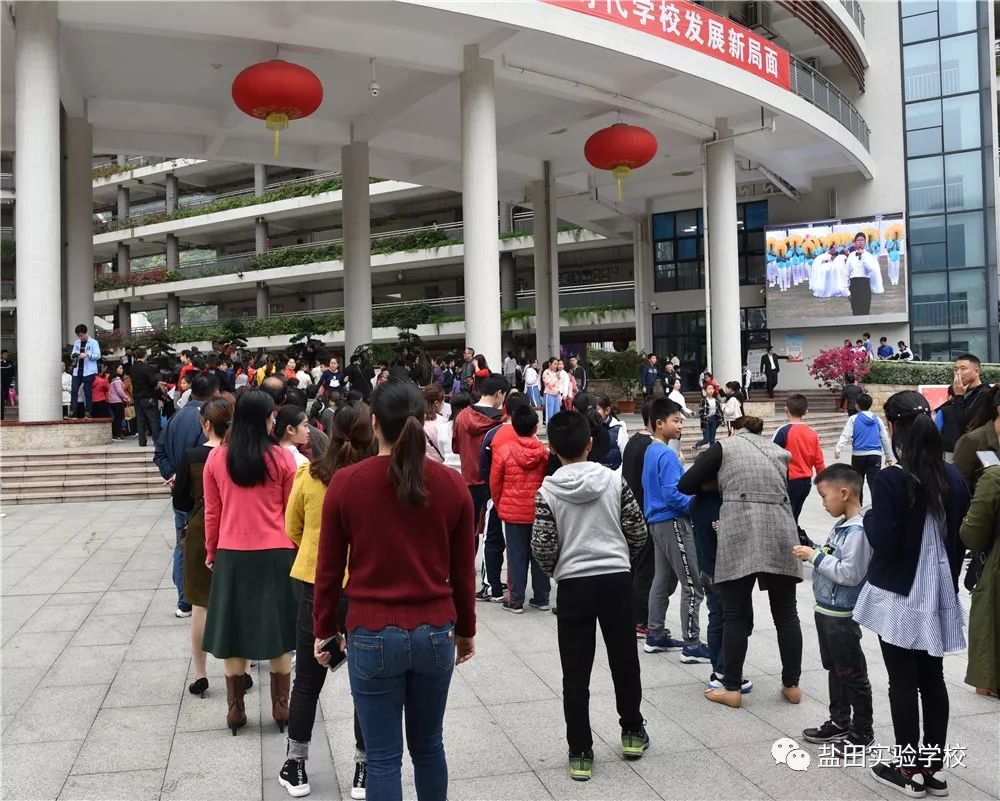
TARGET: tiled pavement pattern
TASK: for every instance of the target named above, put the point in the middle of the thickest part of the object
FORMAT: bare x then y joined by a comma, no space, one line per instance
95,705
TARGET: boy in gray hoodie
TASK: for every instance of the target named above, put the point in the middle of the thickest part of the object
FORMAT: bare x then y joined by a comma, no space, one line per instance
587,529
839,571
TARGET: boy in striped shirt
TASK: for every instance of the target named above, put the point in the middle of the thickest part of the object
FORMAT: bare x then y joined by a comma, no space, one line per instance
839,570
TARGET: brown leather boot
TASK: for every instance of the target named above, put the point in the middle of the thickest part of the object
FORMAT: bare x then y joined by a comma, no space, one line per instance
236,717
280,688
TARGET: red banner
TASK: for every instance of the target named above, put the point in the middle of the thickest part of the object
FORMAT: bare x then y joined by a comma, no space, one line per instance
696,28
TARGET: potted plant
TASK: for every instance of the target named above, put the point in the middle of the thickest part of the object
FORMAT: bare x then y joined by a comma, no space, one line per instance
621,368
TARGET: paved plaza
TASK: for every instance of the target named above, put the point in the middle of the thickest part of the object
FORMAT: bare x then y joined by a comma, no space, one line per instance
95,670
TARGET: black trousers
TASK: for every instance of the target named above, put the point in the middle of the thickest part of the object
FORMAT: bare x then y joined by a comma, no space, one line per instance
798,491
643,570
842,656
585,603
117,418
101,409
913,674
770,382
737,609
147,417
494,546
310,675
868,467
861,296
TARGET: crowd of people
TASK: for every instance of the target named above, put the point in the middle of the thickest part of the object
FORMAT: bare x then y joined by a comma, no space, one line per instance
326,516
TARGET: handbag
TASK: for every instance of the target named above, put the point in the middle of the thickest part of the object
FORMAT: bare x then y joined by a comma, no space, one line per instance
129,411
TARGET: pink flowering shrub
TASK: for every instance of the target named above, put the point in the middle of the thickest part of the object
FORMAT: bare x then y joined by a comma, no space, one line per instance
831,365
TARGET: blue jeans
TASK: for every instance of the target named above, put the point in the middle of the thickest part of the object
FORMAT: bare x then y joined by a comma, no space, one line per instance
534,396
708,434
180,521
74,393
714,636
518,558
390,670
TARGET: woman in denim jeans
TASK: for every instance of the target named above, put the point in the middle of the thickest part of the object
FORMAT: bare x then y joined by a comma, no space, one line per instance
412,612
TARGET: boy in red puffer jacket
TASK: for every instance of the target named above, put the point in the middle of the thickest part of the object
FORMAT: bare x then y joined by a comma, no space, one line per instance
517,473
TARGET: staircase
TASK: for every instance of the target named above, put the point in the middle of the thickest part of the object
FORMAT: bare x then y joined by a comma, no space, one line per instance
120,471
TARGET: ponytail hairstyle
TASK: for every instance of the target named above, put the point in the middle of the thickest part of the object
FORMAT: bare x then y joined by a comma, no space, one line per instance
399,408
918,447
754,425
248,452
351,440
218,411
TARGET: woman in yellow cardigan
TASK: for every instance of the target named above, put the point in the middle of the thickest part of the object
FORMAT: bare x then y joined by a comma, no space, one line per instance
351,440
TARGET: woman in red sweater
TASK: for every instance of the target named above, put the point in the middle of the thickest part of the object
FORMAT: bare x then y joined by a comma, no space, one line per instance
412,614
252,606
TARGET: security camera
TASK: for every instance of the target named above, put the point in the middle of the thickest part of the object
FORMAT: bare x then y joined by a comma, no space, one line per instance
374,88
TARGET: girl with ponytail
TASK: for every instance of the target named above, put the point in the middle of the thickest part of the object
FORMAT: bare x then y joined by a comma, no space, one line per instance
351,440
911,597
412,611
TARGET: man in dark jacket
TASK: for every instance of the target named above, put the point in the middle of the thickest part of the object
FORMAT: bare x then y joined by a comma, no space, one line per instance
969,393
183,432
6,379
145,383
770,368
357,378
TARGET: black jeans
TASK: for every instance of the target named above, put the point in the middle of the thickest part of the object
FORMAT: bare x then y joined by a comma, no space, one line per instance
147,416
737,609
494,546
584,603
868,467
643,569
798,491
841,654
101,409
310,675
913,673
117,418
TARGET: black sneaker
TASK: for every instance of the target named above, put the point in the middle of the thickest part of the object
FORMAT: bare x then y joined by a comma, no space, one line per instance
541,606
293,778
853,743
514,606
634,743
829,732
360,778
484,595
935,783
908,782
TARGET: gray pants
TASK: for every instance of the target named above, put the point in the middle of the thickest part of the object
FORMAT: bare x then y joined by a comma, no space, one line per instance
676,561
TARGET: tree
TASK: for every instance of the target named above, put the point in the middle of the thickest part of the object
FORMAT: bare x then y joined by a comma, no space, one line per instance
158,343
620,368
831,365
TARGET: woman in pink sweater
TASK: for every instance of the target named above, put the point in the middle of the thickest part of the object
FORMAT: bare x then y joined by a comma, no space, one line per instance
252,607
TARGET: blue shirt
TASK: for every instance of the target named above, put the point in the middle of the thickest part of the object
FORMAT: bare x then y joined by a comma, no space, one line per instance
93,351
884,351
661,470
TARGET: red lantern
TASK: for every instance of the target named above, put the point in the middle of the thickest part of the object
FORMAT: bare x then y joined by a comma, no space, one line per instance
620,148
277,91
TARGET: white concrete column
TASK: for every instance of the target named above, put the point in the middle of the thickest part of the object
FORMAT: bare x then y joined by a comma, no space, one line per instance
357,247
547,339
479,207
259,179
173,256
123,204
508,281
643,276
123,260
122,159
171,190
125,318
723,253
79,210
173,309
37,211
263,299
260,235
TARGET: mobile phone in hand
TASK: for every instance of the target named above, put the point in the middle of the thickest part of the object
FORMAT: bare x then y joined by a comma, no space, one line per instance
988,459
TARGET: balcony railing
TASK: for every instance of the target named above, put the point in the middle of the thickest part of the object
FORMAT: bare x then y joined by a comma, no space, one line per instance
854,9
7,181
811,85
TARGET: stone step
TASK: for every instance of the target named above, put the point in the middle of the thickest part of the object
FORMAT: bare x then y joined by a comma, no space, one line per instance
120,462
61,495
20,483
42,469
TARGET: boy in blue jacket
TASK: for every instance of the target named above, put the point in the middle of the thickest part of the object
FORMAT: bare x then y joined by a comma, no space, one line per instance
667,512
839,571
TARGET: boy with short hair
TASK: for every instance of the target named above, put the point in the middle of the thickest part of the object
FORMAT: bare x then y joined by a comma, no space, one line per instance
839,570
587,528
667,513
869,441
802,442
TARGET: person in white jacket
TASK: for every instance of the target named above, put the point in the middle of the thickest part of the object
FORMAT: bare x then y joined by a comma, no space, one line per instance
677,397
618,429
67,388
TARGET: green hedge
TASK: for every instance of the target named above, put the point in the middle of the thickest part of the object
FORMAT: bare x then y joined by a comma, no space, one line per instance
916,373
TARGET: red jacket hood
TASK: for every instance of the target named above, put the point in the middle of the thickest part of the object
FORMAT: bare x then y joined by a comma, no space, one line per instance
476,423
528,452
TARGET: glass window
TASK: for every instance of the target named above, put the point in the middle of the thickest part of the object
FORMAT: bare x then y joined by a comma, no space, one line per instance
665,250
957,16
929,300
931,346
967,298
687,222
926,229
663,226
961,122
911,7
925,185
755,215
959,64
687,248
966,247
923,115
921,71
967,342
964,180
927,257
921,26
923,142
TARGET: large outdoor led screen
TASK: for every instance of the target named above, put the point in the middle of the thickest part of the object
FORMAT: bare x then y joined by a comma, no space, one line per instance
837,272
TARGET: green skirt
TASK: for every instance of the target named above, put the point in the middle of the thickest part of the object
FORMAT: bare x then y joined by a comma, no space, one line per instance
253,605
